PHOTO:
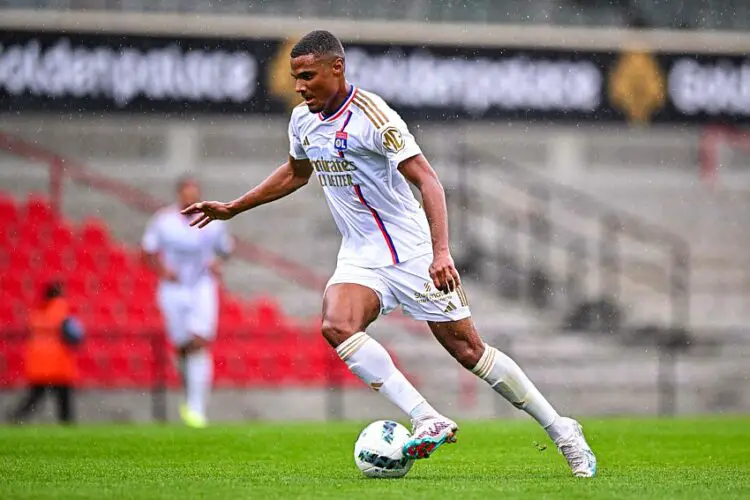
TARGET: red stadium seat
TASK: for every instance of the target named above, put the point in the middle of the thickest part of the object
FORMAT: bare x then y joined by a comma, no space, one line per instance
109,314
19,260
61,237
18,285
12,313
266,311
80,286
94,234
9,209
57,261
38,210
112,286
231,316
91,259
119,261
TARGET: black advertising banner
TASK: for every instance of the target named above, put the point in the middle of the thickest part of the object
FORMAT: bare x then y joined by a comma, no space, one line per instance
106,73
84,73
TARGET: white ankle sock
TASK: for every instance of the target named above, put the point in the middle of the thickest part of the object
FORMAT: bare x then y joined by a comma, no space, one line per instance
559,428
369,361
508,380
198,378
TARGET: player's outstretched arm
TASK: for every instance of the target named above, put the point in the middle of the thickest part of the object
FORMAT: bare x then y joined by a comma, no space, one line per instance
420,173
285,180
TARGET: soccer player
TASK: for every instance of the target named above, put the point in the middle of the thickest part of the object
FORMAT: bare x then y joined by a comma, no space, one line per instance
393,251
189,265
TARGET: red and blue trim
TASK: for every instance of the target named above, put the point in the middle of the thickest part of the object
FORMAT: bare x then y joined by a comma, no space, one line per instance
336,114
379,222
342,132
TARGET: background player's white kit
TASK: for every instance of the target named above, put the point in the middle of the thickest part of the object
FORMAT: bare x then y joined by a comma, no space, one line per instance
189,302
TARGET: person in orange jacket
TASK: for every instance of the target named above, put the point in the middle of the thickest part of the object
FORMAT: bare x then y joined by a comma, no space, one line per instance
49,358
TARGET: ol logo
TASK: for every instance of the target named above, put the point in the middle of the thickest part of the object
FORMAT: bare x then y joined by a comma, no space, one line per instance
339,143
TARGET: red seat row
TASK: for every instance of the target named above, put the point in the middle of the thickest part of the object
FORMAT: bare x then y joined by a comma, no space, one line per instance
113,294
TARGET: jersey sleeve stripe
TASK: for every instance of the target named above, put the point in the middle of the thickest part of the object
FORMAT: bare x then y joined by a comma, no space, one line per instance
378,112
369,113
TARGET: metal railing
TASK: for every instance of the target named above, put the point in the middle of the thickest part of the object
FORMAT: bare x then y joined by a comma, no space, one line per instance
546,235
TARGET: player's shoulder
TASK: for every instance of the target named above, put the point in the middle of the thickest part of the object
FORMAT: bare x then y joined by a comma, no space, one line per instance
374,109
300,113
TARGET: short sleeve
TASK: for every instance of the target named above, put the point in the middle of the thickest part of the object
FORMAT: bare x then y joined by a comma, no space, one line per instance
394,141
224,241
150,241
296,150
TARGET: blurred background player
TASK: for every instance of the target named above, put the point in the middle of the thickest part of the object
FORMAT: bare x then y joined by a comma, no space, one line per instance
49,357
188,263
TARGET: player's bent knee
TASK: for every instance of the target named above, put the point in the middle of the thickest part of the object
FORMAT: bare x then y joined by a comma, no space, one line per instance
468,354
336,332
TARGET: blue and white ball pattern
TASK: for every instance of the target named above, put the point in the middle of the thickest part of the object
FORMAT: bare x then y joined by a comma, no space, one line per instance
378,450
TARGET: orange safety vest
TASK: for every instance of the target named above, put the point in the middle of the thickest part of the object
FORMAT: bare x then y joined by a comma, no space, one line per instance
47,359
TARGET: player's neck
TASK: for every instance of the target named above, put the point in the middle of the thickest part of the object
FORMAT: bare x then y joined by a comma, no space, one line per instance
335,103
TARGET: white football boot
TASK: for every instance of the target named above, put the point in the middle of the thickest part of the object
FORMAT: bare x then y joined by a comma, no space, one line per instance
428,434
577,451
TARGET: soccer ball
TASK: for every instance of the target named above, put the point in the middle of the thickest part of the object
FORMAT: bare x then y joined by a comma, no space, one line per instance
377,451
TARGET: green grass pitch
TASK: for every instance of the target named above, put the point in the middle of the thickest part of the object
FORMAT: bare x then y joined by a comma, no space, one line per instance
640,459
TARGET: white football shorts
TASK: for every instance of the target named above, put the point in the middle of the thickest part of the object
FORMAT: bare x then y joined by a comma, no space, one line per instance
409,285
189,310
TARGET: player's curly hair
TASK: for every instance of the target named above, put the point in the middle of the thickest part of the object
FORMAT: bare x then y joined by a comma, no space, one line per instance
319,43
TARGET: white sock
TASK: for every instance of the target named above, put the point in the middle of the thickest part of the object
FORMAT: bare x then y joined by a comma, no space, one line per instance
199,375
508,380
372,364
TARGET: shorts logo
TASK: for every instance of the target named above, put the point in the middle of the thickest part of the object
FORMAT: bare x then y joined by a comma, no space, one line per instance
393,141
451,307
306,142
429,294
376,385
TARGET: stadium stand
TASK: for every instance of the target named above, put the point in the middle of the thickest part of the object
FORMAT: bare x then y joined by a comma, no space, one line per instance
112,293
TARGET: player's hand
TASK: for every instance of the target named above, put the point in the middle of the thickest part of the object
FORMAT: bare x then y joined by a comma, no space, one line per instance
443,272
215,268
208,211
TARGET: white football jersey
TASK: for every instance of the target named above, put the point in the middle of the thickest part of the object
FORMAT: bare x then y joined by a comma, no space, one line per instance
355,153
182,248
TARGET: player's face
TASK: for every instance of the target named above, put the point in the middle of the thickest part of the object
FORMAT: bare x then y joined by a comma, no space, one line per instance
188,194
317,79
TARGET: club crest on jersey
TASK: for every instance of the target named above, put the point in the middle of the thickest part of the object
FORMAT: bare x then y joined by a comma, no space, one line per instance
340,142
